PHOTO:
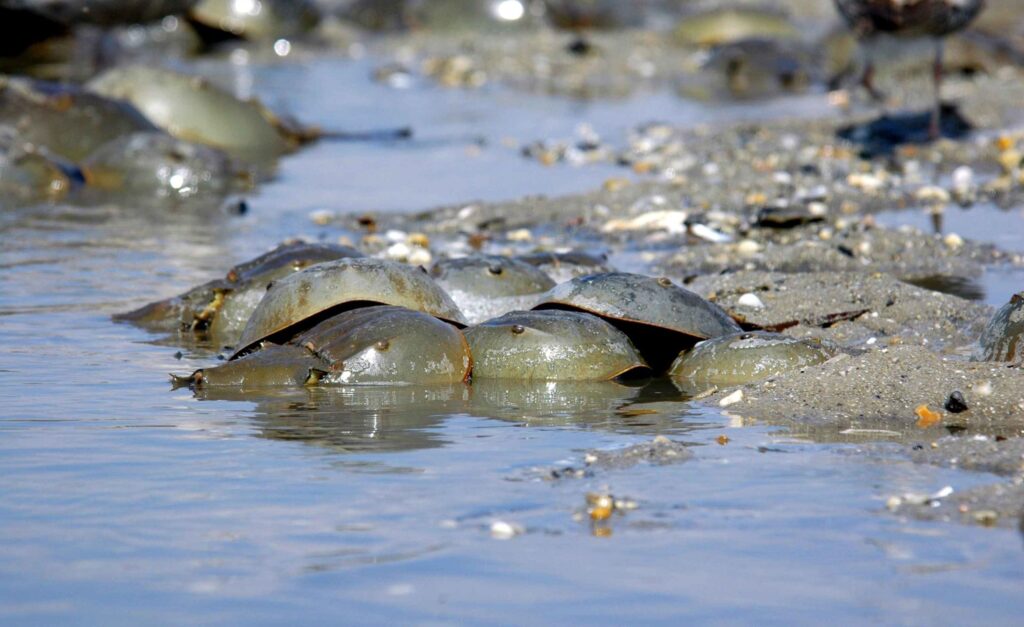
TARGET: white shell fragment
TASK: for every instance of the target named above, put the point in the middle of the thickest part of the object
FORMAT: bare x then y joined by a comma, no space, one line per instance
750,300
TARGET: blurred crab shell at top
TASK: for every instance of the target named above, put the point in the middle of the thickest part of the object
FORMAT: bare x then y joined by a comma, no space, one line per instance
101,12
729,24
156,168
594,14
469,15
29,175
64,119
254,20
193,109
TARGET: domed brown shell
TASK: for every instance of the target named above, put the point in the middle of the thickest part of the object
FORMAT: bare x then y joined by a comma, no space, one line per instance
323,289
551,345
660,317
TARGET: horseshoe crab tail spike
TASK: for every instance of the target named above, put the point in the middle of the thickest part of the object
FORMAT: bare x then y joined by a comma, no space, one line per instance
188,381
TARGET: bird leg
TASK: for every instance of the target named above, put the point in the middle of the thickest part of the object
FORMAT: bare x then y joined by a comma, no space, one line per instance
867,80
935,124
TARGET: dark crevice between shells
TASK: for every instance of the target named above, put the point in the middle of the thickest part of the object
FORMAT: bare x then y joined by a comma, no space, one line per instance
658,346
282,336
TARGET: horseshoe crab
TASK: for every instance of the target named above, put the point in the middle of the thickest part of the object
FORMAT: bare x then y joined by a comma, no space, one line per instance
318,291
484,286
576,15
746,357
193,109
219,310
274,366
28,175
471,15
66,120
103,12
386,344
756,68
566,266
1003,337
552,345
377,344
255,20
660,317
157,166
731,24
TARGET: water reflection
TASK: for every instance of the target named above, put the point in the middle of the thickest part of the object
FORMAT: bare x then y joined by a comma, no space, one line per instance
652,407
354,419
371,418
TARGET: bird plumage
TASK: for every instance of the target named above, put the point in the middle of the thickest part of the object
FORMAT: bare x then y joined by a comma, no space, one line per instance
910,18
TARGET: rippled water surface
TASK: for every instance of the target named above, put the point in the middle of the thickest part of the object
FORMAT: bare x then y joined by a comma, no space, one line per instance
124,502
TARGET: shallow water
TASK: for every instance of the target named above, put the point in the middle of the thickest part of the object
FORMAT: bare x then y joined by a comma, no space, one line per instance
124,502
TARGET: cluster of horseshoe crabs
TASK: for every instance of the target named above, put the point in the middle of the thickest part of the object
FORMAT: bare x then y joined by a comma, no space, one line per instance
307,314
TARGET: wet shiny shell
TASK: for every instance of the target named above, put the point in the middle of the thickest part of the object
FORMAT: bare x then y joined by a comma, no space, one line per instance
466,15
193,109
156,165
273,366
220,309
104,12
66,120
593,14
743,358
346,283
660,317
383,344
485,286
259,19
727,25
1003,337
28,175
758,68
551,345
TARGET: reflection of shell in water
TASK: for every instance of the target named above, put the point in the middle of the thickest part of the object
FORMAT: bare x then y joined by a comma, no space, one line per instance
743,358
350,419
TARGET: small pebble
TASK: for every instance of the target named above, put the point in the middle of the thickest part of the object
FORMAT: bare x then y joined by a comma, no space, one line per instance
399,251
322,217
501,530
748,247
953,241
932,194
420,257
955,403
519,235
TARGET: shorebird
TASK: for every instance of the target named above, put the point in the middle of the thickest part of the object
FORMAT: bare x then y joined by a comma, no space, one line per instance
908,19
